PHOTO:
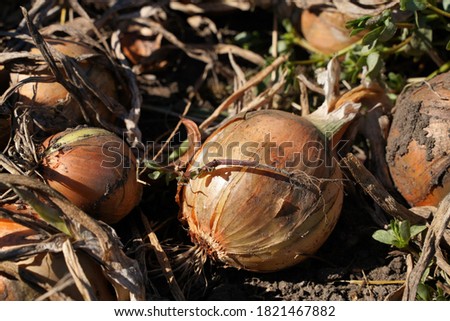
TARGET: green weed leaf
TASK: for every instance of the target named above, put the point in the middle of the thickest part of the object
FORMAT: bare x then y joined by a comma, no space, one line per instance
371,37
152,164
404,232
388,31
424,292
177,153
386,237
155,175
416,229
374,64
398,234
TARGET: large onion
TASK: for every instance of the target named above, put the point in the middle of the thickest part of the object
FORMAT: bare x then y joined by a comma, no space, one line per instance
418,145
95,170
277,210
43,268
55,97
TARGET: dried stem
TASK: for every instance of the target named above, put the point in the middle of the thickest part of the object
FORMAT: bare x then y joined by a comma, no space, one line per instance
163,261
433,238
239,93
373,188
175,130
81,281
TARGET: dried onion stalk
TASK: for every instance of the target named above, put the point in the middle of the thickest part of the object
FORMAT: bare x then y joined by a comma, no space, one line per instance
42,271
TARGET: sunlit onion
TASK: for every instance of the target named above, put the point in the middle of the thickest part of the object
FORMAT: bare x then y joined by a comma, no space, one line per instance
276,207
95,170
418,145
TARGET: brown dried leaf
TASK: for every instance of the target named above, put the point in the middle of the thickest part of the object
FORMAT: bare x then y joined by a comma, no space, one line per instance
433,238
98,240
239,93
163,261
75,269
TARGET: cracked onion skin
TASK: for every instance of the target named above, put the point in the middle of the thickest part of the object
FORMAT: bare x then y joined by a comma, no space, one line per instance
95,170
256,218
418,145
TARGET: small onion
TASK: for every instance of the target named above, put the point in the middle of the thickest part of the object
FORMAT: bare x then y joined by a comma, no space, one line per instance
55,97
95,170
418,145
43,267
271,215
325,30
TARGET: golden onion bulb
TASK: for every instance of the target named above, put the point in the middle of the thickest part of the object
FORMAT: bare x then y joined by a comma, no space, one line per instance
95,170
55,97
272,201
42,268
418,145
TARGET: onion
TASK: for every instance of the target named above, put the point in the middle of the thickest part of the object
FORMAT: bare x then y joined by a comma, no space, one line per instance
272,201
325,29
44,267
95,170
55,97
418,145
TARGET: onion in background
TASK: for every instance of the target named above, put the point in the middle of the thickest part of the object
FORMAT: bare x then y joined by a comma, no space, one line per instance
52,105
418,145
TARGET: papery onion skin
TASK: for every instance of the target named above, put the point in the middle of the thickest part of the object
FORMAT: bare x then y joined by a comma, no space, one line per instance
95,170
260,220
418,145
43,267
